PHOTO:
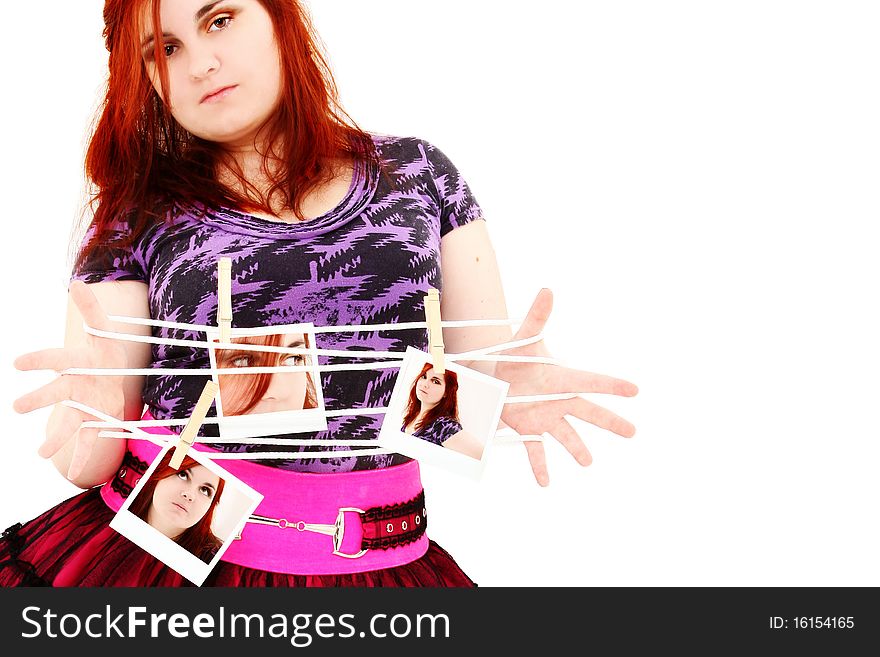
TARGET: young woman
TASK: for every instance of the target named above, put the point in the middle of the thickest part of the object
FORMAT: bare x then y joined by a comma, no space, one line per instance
220,135
432,412
180,504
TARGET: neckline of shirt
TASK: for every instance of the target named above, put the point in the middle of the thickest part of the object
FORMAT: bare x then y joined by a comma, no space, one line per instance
364,182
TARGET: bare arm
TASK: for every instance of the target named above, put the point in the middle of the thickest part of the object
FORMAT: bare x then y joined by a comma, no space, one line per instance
472,289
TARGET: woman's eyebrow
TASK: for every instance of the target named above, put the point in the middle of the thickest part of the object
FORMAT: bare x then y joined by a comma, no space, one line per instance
204,10
297,342
148,42
198,16
234,353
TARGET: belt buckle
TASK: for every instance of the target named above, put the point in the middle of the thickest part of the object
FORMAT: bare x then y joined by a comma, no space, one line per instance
339,536
336,530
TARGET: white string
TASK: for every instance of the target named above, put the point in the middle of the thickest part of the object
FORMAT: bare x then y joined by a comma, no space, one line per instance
501,347
113,422
173,371
482,354
232,371
248,440
133,428
346,412
156,439
502,436
238,346
293,456
341,353
178,422
353,328
526,399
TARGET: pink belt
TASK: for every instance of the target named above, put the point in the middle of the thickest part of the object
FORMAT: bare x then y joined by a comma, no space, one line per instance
310,524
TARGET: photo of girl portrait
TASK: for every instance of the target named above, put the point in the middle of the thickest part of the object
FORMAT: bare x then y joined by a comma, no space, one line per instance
268,403
448,420
180,504
432,412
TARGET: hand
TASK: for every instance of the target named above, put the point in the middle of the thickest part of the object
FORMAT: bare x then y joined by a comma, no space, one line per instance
537,418
104,393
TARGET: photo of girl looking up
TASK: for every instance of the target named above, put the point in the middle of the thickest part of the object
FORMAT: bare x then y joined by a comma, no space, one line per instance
180,504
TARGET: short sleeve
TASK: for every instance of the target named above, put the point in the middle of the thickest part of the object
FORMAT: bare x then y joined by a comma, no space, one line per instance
458,206
114,259
441,430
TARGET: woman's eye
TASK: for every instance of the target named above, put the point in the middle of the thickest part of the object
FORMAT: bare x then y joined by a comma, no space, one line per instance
220,22
182,474
241,361
207,492
167,49
296,359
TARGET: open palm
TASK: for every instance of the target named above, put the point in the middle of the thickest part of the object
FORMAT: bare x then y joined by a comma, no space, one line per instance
104,393
537,418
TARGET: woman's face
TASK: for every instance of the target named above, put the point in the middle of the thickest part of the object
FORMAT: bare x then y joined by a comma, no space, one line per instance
430,388
286,390
181,500
224,67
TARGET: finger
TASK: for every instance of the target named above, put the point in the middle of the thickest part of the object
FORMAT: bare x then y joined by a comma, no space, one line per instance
46,359
62,426
51,393
581,381
538,459
82,449
537,317
566,434
601,417
89,307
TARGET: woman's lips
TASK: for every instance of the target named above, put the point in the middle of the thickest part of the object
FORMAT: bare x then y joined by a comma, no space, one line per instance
219,95
182,508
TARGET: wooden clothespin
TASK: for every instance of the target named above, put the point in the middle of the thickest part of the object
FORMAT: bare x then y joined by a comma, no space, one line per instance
224,298
188,435
435,330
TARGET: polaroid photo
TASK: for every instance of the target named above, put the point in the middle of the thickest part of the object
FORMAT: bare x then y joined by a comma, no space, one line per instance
186,518
447,419
268,404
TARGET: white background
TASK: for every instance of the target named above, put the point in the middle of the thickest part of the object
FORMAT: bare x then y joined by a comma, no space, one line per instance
696,181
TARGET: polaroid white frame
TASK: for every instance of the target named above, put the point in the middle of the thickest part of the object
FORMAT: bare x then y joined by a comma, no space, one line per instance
165,549
391,437
238,427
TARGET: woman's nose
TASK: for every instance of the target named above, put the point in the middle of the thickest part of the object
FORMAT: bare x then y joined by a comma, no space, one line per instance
203,62
279,387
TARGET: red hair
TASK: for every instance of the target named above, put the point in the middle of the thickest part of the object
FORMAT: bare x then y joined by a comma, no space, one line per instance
252,387
198,539
447,407
141,163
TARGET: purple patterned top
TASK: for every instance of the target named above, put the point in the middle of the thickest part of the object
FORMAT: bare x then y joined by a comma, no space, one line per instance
370,260
439,431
